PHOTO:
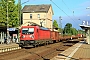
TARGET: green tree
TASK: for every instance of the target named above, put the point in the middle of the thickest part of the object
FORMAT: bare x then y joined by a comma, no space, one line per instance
74,31
81,32
12,13
55,24
67,28
2,12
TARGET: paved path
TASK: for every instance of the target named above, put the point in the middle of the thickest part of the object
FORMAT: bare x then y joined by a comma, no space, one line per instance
79,51
83,52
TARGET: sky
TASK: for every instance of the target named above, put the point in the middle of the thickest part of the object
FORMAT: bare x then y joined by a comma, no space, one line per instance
71,11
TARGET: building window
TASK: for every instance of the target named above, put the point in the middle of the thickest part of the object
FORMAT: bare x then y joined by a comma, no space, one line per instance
38,15
30,16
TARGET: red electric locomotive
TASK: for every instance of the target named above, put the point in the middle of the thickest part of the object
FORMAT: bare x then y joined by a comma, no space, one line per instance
33,36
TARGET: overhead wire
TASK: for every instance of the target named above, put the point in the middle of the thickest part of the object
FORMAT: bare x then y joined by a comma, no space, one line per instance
70,10
25,2
66,5
63,11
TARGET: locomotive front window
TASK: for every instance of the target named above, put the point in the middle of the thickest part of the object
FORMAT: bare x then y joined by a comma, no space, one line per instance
27,30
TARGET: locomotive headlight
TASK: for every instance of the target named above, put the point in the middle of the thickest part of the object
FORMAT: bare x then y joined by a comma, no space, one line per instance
23,36
31,36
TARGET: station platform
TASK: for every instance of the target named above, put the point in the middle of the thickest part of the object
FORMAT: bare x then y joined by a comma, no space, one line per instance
9,47
79,51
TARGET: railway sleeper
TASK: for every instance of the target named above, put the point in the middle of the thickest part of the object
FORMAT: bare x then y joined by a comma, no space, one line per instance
68,44
58,49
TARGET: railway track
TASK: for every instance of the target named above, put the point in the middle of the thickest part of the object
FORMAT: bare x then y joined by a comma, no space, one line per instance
39,53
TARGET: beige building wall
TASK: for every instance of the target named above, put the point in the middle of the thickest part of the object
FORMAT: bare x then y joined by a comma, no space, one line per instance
46,18
49,16
35,19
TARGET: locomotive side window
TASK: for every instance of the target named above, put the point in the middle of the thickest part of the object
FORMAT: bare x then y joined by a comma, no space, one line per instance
27,30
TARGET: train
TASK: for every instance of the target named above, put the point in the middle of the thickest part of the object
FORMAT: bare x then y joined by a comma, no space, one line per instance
32,36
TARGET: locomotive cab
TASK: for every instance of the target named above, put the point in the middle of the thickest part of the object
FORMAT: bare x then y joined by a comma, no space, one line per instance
27,36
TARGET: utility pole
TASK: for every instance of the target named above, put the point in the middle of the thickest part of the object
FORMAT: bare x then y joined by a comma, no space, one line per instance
8,41
7,23
60,18
19,12
19,15
19,18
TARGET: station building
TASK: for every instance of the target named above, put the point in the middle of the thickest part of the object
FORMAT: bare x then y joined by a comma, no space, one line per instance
39,14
